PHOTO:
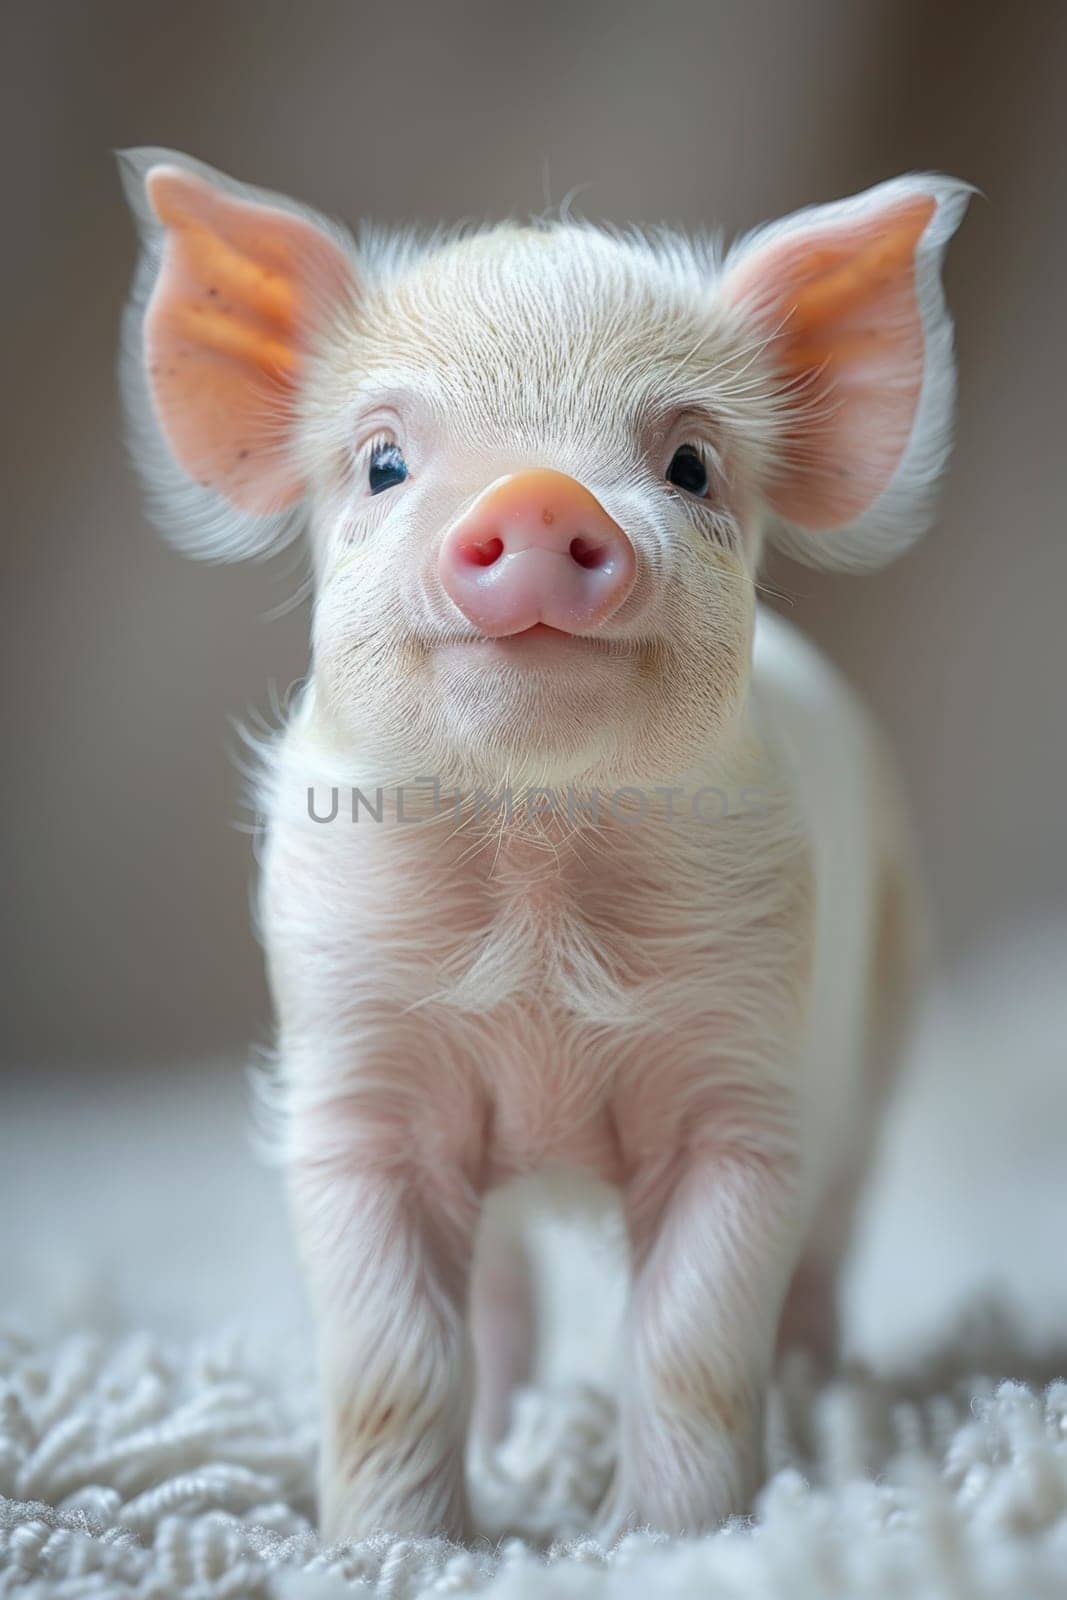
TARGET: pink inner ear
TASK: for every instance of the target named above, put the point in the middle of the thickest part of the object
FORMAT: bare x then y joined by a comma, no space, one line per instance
841,307
224,332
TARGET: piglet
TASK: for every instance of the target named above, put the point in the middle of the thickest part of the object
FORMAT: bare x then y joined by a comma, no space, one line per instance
576,861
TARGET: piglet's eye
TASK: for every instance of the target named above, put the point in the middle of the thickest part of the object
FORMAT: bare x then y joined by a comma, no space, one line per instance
687,471
387,468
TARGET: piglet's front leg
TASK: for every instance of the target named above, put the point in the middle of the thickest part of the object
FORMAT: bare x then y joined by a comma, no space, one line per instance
714,1238
388,1249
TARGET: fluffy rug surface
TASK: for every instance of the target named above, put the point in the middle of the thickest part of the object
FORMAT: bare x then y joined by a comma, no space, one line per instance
146,1468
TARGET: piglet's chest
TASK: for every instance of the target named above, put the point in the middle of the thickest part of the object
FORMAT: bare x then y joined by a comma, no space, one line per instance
537,976
552,997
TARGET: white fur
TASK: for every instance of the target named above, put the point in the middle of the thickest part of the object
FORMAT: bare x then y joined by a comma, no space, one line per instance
699,1013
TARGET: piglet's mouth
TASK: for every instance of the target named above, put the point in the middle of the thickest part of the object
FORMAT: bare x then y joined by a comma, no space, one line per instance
539,644
542,630
539,633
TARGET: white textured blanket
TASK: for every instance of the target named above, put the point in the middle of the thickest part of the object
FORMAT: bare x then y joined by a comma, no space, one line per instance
132,1468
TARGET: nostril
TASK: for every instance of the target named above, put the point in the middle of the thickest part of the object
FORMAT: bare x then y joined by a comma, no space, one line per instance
588,554
482,554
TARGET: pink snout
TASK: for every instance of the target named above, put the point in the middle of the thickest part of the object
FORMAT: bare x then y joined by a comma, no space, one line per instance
536,547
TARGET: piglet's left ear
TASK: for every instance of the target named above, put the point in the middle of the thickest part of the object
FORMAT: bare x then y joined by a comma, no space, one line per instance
235,285
858,350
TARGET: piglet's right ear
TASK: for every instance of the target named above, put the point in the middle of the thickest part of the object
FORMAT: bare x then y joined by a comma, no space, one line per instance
233,287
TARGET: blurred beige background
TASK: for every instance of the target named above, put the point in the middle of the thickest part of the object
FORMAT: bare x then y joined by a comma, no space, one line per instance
126,879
